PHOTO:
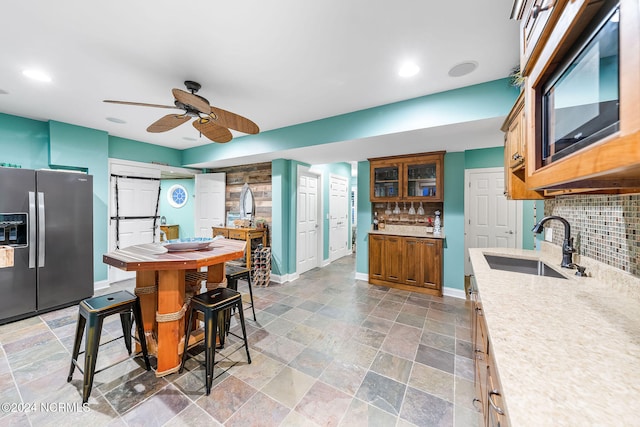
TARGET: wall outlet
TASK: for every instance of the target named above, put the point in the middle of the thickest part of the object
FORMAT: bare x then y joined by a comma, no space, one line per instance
548,234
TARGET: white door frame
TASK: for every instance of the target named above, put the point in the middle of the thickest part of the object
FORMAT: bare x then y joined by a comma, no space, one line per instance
306,170
518,231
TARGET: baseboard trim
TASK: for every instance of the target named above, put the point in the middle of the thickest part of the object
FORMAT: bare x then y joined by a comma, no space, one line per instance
101,284
284,278
362,276
454,292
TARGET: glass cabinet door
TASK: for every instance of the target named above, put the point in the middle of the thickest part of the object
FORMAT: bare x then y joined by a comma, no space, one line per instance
422,181
386,181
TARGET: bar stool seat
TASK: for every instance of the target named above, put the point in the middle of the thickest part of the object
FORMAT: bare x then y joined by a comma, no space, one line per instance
211,304
94,310
233,273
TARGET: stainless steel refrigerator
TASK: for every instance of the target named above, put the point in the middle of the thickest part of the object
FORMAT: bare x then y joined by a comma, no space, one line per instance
47,217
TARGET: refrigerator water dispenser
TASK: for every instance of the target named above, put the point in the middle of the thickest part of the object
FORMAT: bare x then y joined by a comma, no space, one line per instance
14,230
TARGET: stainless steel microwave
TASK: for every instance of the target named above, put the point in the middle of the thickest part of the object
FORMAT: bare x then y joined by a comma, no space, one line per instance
580,102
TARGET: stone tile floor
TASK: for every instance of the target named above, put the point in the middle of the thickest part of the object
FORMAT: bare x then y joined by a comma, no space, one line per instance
327,350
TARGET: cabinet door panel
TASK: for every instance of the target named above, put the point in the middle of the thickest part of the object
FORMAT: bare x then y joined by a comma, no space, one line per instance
431,264
376,256
412,257
393,259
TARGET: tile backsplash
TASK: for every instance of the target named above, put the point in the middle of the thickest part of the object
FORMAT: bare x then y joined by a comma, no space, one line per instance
605,228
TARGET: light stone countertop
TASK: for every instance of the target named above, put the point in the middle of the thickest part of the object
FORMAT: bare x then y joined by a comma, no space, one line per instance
409,231
567,351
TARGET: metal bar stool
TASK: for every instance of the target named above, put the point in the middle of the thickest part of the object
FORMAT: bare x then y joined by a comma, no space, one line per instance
212,303
94,310
234,273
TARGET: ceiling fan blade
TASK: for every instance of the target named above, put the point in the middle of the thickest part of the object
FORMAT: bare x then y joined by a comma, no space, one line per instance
168,122
233,121
140,104
192,100
213,131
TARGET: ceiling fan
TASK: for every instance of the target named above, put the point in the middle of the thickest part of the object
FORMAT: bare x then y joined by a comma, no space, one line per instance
212,122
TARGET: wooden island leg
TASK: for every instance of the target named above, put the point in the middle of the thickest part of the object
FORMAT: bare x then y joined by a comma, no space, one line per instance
147,293
170,302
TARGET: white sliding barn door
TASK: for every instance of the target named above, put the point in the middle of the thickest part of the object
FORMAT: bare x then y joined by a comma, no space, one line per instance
131,197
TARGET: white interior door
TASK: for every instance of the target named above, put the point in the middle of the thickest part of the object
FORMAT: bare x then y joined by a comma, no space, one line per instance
137,196
307,227
490,219
209,203
339,234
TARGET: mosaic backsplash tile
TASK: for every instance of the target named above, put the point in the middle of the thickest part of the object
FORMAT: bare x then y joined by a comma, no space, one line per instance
605,228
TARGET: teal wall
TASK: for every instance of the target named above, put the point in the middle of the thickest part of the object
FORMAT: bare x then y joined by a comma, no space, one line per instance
127,149
24,142
280,214
485,100
184,216
364,219
453,215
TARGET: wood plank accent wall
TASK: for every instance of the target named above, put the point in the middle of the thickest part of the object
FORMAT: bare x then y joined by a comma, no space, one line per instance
258,176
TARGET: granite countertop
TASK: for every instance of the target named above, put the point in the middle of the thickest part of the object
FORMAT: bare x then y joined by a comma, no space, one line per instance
567,350
409,231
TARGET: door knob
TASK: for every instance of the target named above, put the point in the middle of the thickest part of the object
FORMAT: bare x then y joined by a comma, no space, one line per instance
509,232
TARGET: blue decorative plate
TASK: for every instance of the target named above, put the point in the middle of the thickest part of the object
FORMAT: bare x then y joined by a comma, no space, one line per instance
188,244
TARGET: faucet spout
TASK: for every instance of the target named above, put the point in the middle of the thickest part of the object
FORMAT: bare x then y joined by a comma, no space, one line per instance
567,244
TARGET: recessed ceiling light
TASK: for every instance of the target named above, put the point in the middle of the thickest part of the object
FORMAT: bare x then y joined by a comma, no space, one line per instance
116,120
38,75
408,69
463,68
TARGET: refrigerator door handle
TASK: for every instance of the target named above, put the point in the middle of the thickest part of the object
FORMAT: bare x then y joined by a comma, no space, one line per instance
41,229
32,229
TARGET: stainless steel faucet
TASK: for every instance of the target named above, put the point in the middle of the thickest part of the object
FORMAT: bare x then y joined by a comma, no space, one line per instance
567,245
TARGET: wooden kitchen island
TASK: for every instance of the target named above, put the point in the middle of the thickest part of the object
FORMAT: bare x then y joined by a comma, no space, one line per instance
160,284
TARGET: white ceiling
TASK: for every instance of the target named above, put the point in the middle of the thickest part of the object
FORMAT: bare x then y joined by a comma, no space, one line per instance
278,63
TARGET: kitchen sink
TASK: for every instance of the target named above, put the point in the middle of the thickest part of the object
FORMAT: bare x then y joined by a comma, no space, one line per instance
519,265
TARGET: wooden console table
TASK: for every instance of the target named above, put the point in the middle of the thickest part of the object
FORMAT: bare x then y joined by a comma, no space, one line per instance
246,234
171,231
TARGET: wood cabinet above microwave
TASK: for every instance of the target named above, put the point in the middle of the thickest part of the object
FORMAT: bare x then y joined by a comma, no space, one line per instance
611,163
416,177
